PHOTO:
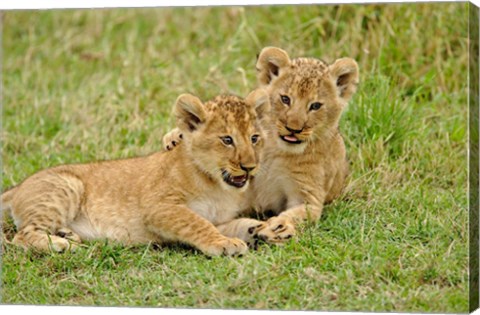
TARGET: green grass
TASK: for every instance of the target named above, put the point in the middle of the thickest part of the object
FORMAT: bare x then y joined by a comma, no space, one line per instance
84,85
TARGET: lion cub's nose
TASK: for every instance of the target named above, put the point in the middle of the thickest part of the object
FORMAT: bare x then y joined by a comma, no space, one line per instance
294,130
248,168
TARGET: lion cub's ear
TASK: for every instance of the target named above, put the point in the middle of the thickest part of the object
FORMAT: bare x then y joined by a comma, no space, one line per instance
189,112
344,72
270,63
260,100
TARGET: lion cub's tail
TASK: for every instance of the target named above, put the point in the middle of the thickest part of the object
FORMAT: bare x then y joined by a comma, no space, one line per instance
6,202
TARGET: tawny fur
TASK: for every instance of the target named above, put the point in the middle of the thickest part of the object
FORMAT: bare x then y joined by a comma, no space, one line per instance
295,180
173,196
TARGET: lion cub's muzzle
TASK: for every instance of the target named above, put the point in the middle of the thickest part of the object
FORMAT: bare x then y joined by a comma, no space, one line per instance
292,136
238,181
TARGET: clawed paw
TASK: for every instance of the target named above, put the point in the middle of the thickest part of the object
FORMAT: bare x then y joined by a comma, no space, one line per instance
69,235
253,231
60,244
277,230
172,139
226,246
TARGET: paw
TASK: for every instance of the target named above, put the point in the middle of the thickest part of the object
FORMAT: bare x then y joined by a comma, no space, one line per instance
60,244
44,243
172,139
226,246
278,230
68,234
252,234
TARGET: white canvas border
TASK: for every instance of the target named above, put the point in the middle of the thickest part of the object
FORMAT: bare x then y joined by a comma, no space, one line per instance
55,4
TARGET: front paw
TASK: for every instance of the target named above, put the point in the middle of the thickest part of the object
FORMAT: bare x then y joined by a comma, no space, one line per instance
252,237
278,230
226,246
172,139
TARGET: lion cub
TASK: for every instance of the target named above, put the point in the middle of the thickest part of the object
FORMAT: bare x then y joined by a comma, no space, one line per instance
304,164
173,196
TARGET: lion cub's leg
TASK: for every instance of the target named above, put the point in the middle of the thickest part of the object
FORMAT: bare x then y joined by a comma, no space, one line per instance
43,208
172,139
179,223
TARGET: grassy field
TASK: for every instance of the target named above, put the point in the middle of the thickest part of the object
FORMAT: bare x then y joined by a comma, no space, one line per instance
84,85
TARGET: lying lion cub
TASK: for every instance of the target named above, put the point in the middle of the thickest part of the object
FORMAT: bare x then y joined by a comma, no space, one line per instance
304,164
168,196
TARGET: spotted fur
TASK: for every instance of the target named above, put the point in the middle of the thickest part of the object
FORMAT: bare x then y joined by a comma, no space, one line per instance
174,196
298,177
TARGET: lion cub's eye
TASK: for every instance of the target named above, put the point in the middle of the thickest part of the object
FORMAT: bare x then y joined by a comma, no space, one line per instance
315,106
255,139
285,99
227,140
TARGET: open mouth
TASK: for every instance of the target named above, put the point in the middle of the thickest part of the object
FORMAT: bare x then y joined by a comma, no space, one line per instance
235,181
291,139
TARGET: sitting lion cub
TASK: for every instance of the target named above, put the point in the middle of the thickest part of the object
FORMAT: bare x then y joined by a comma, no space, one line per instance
304,164
173,196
